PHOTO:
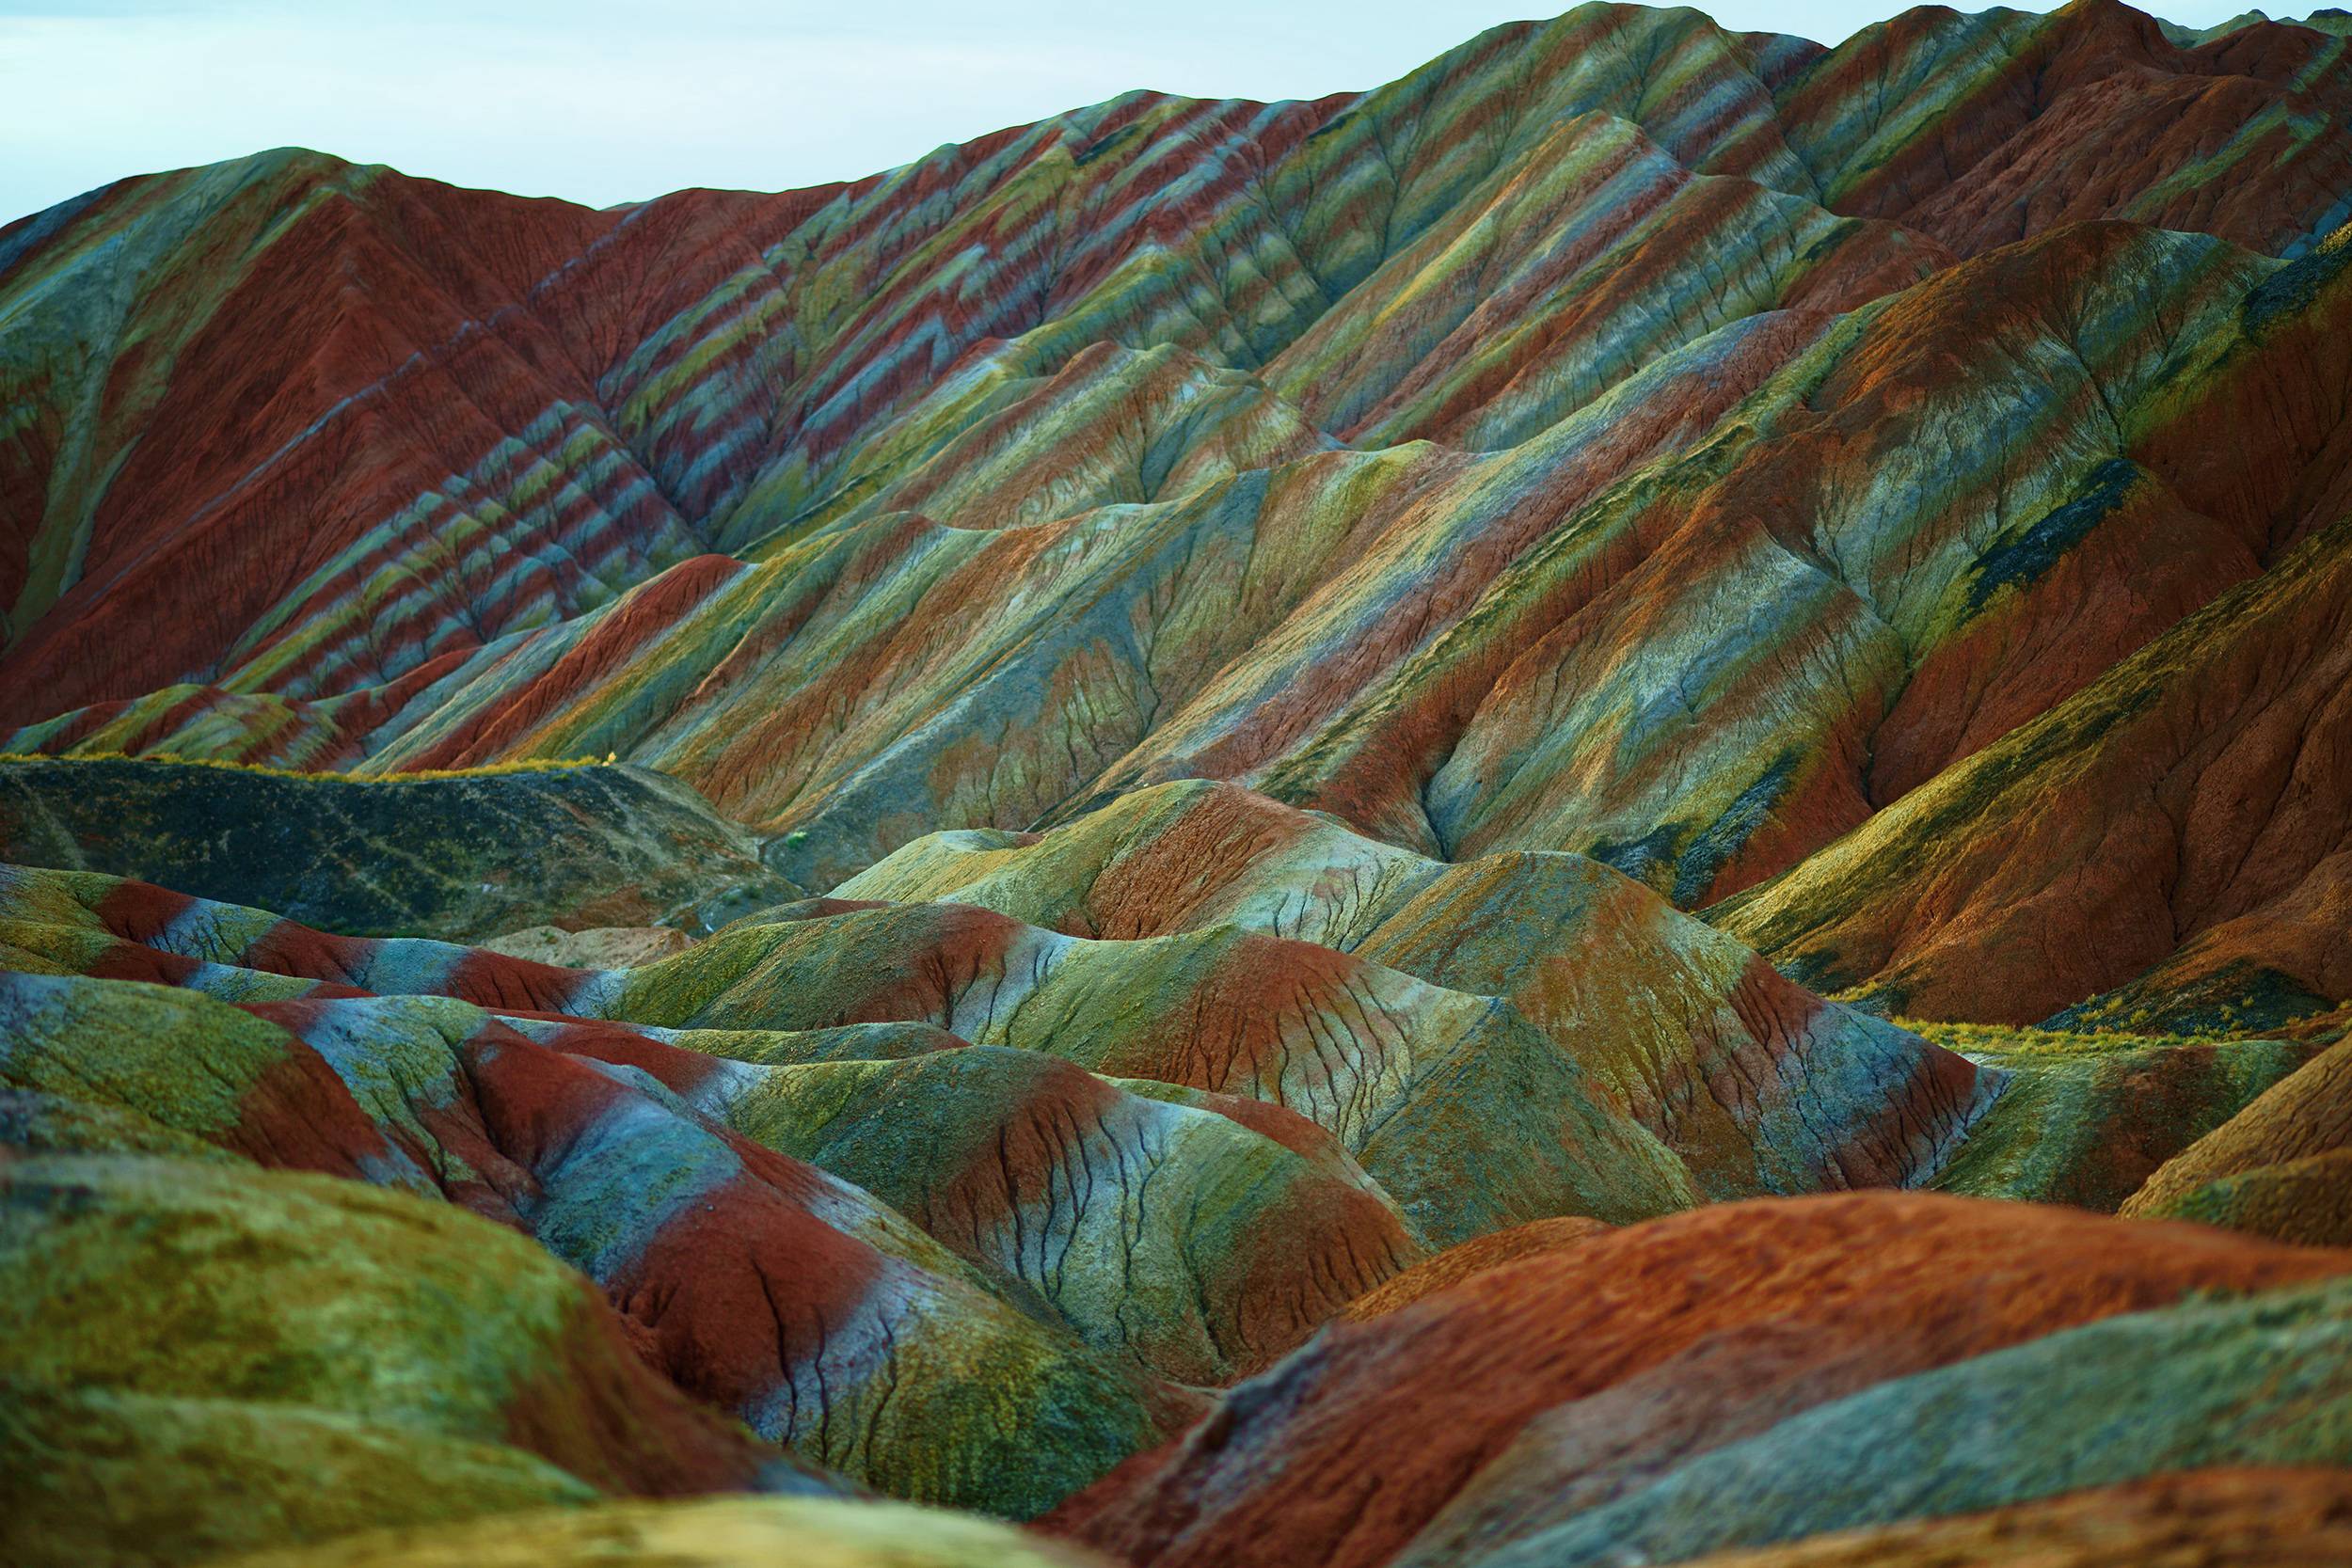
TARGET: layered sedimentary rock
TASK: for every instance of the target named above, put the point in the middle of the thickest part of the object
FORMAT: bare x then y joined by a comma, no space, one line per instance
2281,1167
1340,461
1546,1084
2219,1516
1433,456
1755,1083
1582,1397
725,1534
791,1300
2257,1383
1267,828
2205,786
1456,1263
232,1359
2085,1119
461,859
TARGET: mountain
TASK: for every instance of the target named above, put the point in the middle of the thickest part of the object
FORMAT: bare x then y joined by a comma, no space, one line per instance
1595,808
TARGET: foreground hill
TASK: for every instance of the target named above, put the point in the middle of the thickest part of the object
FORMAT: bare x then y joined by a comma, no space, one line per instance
972,1206
1595,808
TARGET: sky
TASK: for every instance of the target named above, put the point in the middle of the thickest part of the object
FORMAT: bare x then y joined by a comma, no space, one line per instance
610,101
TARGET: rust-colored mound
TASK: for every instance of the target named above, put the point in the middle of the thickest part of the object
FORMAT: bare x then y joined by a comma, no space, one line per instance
1457,1263
1304,1464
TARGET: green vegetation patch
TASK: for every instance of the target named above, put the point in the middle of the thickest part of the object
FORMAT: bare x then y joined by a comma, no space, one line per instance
185,1280
172,1057
99,1477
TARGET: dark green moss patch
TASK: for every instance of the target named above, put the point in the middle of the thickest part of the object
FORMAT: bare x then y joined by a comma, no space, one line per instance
1646,858
1709,854
455,857
2293,288
2019,562
1101,145
2240,998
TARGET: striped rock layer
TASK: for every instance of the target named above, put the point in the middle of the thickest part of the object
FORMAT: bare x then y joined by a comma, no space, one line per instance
1265,830
1619,436
1749,1373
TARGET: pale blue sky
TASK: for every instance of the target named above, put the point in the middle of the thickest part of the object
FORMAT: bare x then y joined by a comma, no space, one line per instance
601,101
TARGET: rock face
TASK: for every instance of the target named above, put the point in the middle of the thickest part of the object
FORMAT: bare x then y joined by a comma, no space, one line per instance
464,859
231,1357
2188,816
1540,1389
1626,1103
1947,1441
2235,1516
1704,1044
784,1296
1549,815
1455,1265
2281,1167
2087,1123
1368,448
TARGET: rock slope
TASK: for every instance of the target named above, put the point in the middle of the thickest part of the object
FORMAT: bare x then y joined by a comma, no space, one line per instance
1596,807
1575,1401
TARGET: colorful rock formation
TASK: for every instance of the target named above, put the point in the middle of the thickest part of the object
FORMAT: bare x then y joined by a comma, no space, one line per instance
732,1533
2085,1119
1703,1043
2221,1516
1642,1364
2280,1167
785,1297
1110,452
2258,1383
463,858
1269,831
206,1357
